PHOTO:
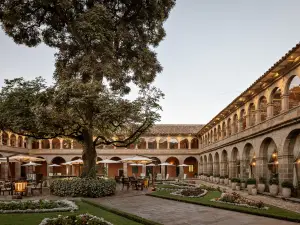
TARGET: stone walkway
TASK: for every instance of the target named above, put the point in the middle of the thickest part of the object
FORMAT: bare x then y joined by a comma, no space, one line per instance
266,199
170,212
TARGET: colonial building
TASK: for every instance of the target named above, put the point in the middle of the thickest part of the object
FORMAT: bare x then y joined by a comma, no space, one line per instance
256,135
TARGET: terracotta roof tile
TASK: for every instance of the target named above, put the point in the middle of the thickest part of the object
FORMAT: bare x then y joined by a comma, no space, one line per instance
173,129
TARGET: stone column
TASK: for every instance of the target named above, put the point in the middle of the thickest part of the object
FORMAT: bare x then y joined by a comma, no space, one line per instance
270,109
216,168
168,142
232,169
261,169
17,170
144,169
257,116
125,170
285,167
240,125
285,102
8,140
50,144
40,144
223,168
29,144
147,141
209,168
157,142
1,143
178,140
247,120
233,131
190,142
181,171
17,141
72,144
23,141
61,143
163,171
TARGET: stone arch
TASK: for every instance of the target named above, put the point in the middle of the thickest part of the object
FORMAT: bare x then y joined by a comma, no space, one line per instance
268,154
224,129
216,164
275,99
45,144
235,163
13,140
195,143
35,144
4,138
293,91
55,143
20,141
224,163
201,165
152,144
262,106
248,162
67,143
116,169
208,138
215,135
243,119
210,164
163,143
173,171
251,113
192,169
184,143
59,170
43,168
289,167
235,123
205,165
173,143
219,132
142,143
229,127
77,145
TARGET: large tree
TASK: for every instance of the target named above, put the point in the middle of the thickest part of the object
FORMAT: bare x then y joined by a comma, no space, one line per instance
103,46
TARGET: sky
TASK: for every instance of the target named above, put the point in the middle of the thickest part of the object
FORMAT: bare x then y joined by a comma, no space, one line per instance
213,51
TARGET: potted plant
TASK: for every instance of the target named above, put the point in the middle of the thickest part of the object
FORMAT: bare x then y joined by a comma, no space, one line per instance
287,187
238,184
218,178
226,179
274,185
261,185
243,184
233,183
254,190
250,184
221,179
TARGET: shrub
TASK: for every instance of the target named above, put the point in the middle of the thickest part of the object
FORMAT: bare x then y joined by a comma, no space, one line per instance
221,177
83,187
243,181
218,175
73,219
287,184
251,181
262,180
273,181
235,180
226,176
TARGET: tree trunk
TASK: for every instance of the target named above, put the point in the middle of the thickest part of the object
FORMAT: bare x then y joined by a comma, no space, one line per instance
89,155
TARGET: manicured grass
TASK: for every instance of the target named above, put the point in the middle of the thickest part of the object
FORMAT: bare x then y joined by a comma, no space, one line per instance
273,212
36,218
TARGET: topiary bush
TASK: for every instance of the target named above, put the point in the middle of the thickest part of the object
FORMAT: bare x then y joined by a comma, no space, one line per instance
83,187
251,181
287,184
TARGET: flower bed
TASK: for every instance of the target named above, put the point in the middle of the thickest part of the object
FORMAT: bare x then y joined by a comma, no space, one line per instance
236,199
83,187
37,206
82,219
191,192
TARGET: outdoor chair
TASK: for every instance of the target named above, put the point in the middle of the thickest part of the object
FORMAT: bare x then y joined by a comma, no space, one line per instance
6,188
38,184
159,177
125,182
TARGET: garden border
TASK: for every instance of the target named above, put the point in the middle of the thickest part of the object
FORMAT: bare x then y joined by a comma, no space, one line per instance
225,208
122,213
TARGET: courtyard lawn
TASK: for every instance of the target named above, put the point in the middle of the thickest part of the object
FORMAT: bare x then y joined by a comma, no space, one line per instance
273,212
36,218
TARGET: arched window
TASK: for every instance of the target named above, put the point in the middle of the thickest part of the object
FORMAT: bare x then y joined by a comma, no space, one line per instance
251,112
294,92
276,101
263,108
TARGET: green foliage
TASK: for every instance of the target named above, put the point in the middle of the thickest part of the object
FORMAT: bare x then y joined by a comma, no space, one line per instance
102,47
262,180
30,204
273,181
251,181
83,187
235,180
287,184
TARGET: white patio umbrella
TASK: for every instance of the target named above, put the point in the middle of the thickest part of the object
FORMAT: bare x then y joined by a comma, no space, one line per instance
136,164
25,158
106,162
151,164
137,159
183,165
166,164
76,162
53,166
32,164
